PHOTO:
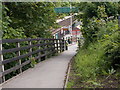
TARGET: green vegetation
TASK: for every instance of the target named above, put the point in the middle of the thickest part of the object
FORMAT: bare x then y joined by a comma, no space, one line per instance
97,58
97,63
33,62
27,20
30,19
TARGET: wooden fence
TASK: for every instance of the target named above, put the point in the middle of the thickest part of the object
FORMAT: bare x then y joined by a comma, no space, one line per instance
16,55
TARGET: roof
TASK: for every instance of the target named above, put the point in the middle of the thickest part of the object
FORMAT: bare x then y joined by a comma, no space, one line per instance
65,22
56,30
75,28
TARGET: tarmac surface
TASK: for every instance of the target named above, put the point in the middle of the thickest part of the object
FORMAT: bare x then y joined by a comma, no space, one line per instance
47,74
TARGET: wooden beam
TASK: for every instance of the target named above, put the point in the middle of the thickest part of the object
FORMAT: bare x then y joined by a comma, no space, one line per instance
2,79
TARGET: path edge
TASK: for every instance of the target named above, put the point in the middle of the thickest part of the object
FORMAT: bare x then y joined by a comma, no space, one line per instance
68,72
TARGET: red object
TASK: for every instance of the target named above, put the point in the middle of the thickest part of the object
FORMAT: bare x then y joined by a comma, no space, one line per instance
76,30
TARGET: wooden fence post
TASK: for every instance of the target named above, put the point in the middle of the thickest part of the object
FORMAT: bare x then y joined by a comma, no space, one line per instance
57,45
54,47
30,50
39,54
18,46
66,45
45,47
63,45
60,46
46,51
51,46
2,78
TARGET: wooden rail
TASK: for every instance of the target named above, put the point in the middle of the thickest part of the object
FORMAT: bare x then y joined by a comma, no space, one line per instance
17,54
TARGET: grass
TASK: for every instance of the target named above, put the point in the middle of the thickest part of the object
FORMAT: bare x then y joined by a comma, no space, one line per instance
96,65
70,84
88,61
90,69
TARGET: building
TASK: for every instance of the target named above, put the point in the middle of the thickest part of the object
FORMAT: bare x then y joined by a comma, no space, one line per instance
65,30
65,24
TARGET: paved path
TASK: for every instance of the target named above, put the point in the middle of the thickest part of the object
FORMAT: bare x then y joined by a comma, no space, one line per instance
47,74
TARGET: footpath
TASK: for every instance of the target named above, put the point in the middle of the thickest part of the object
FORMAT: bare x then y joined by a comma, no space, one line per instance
47,74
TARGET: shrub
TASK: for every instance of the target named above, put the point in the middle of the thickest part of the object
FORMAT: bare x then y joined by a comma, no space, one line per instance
112,51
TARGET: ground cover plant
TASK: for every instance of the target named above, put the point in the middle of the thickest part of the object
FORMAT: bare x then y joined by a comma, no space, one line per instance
97,64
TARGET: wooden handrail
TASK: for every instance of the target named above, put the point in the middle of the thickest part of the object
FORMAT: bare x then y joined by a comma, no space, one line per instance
22,40
43,48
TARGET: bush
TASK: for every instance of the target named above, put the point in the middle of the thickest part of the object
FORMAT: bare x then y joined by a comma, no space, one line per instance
101,56
112,51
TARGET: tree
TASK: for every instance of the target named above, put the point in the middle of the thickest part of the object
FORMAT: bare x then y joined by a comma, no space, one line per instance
36,19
